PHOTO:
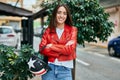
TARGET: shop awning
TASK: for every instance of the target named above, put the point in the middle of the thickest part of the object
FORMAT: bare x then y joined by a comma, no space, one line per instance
9,10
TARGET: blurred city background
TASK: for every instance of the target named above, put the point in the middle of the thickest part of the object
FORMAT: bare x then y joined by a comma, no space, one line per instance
93,62
111,6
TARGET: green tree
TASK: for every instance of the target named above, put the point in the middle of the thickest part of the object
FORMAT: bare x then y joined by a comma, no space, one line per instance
88,16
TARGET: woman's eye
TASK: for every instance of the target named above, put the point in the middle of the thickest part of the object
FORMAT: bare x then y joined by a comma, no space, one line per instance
59,12
65,13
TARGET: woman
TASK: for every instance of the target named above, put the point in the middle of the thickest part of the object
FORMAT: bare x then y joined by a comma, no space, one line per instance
59,42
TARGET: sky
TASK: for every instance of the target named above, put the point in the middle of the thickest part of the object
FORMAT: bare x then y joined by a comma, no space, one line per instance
28,2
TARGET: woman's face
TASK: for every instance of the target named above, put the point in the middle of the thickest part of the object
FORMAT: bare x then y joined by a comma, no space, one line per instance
61,15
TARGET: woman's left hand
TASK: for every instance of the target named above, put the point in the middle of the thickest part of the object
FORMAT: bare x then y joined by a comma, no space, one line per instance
48,45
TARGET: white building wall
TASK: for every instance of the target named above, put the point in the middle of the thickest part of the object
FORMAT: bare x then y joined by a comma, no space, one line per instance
115,18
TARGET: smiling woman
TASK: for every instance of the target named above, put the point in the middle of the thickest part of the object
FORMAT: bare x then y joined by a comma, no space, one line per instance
59,42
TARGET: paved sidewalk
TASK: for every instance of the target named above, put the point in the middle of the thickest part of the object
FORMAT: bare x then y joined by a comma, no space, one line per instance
103,45
36,78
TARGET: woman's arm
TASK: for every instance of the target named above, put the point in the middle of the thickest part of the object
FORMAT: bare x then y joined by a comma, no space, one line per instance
70,46
44,48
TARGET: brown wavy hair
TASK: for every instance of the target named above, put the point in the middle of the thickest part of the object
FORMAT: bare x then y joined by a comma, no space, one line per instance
53,22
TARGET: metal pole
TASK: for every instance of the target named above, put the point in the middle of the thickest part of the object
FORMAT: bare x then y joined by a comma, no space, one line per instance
30,31
24,31
73,70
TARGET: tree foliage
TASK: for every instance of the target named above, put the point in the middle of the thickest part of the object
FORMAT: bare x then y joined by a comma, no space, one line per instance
13,65
88,16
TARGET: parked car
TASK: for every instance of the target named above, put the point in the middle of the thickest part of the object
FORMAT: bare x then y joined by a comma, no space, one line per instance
8,36
114,46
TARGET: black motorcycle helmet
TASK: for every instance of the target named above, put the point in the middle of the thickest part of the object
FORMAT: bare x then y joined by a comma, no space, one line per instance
37,66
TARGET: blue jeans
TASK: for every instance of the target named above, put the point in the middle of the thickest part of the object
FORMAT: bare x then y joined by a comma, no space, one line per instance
58,73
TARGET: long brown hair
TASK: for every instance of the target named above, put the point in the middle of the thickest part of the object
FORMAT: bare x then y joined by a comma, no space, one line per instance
53,23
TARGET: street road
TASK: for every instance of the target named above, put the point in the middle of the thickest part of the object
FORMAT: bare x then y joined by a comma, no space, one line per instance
94,63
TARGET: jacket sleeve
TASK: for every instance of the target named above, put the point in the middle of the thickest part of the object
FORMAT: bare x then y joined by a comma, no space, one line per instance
70,46
42,46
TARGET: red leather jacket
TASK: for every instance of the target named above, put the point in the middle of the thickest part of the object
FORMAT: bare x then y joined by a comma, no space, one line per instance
64,48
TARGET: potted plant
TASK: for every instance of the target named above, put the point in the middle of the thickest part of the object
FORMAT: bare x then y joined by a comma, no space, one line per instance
13,64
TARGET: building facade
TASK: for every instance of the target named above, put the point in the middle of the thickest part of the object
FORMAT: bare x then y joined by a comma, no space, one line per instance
113,8
9,20
114,12
13,2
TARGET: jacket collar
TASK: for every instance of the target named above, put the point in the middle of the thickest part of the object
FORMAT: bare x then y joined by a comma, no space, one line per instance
66,29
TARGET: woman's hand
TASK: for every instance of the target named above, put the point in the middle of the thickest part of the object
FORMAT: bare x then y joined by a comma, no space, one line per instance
48,45
70,42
